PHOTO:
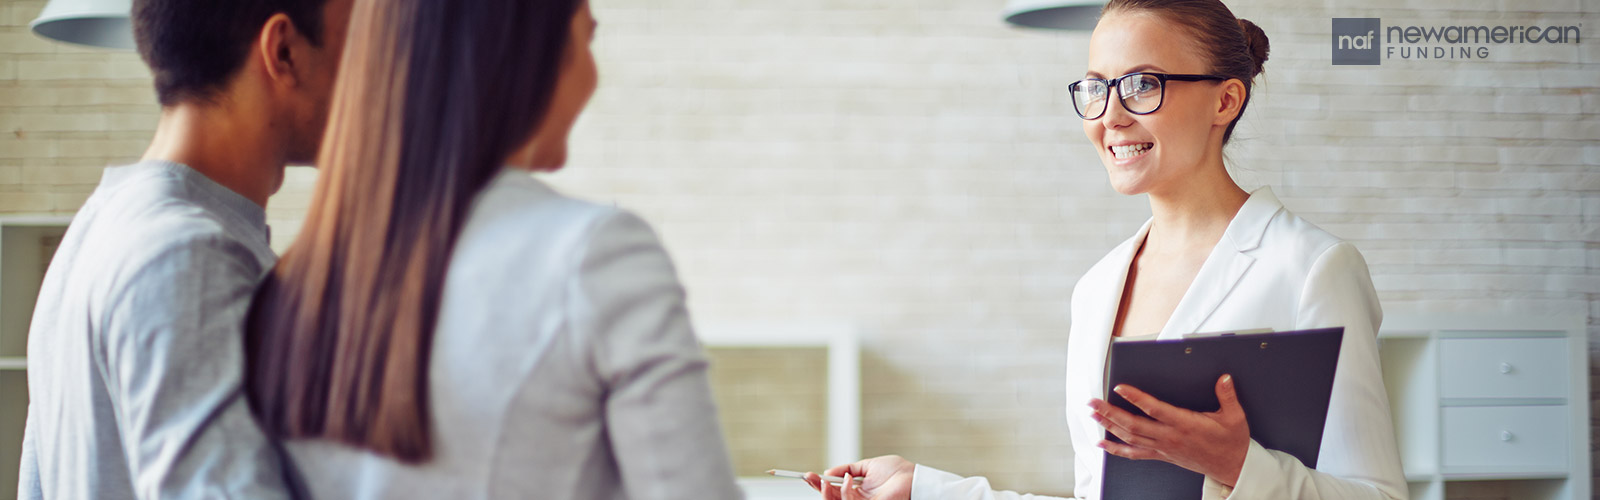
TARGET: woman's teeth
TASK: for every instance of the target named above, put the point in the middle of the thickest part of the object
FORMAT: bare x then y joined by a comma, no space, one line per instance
1131,150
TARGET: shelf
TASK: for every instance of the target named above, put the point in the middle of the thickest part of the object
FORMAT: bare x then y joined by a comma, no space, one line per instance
26,247
1460,402
1388,334
776,488
1420,477
1475,321
1496,474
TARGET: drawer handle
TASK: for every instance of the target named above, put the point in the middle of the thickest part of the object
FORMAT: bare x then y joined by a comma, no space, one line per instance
1507,436
1505,368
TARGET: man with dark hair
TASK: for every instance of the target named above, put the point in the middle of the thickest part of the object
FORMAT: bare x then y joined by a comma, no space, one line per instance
136,347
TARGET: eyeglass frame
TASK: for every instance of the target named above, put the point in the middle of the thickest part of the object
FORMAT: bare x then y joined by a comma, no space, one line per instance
1114,84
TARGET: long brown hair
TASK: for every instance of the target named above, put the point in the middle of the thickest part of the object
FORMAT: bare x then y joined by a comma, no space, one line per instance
433,95
1237,48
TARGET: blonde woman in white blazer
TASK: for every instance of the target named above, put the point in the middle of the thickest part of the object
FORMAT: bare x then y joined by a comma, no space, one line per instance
1212,258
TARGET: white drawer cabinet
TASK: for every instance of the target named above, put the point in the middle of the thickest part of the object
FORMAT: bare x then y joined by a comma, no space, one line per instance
1490,398
1503,367
1490,438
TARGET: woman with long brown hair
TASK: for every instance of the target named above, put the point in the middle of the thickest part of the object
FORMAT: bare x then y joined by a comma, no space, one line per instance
445,326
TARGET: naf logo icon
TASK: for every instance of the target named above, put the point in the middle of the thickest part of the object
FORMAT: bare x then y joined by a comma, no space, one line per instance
1357,41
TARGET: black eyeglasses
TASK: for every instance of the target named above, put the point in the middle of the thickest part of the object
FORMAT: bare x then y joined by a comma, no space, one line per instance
1140,93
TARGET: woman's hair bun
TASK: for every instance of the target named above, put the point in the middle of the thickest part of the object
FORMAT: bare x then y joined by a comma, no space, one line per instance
1255,41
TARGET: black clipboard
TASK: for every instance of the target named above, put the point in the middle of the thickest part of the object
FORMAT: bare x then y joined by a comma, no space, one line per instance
1283,381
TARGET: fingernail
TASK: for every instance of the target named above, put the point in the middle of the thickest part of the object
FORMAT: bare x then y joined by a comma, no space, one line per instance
1227,379
1117,389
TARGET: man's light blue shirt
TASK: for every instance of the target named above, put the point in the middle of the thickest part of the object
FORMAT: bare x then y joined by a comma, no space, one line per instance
135,352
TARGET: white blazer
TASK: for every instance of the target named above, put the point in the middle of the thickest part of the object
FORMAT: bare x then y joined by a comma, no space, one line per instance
1271,269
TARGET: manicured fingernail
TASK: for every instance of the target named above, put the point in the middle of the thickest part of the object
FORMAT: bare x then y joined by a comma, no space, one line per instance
1117,389
1227,379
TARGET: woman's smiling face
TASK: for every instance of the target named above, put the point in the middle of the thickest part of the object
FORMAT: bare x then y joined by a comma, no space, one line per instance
1160,149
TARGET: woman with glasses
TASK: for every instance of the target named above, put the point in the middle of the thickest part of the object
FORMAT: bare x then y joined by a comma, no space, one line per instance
1167,81
445,326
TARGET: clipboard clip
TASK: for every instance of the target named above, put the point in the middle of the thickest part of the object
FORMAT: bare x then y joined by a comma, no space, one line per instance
1227,333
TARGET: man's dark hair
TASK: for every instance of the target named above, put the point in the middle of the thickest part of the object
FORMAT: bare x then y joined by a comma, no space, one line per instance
194,47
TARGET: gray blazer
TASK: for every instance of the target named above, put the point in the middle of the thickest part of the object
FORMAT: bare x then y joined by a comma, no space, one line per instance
564,367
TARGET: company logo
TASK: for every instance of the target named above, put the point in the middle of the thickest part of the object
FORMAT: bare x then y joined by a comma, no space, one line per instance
1357,41
1362,40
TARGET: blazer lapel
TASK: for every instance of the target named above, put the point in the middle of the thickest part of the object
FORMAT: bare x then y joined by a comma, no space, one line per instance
1220,273
1226,265
1101,314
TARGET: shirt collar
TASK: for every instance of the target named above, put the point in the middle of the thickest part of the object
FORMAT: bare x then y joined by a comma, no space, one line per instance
246,215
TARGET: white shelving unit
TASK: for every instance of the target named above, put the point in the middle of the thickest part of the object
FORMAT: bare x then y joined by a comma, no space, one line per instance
843,381
1490,398
26,245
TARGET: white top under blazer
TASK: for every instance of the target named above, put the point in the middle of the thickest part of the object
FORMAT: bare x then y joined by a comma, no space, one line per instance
1271,269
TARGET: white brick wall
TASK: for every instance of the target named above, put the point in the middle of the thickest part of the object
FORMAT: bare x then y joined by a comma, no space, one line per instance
914,167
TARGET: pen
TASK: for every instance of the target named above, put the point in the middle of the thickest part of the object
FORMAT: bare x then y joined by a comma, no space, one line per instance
802,475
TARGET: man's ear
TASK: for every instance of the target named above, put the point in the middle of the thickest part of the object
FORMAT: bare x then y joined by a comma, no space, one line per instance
1233,96
278,53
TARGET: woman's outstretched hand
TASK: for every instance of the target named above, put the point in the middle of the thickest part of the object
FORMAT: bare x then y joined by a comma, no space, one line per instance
1213,444
883,478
